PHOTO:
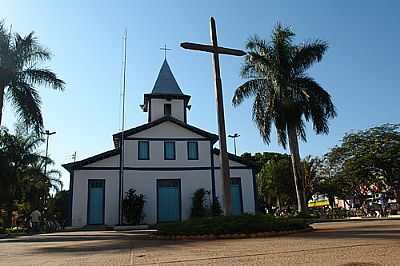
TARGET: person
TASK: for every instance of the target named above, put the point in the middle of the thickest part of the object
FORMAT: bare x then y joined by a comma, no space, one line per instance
35,219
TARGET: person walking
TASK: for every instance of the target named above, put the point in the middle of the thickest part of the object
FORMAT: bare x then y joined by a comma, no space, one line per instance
35,219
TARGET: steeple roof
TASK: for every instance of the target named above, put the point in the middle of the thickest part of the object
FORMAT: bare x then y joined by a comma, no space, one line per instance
166,83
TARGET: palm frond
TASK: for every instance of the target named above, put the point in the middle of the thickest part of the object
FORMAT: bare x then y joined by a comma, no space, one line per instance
248,89
318,105
29,51
42,77
306,54
261,116
26,102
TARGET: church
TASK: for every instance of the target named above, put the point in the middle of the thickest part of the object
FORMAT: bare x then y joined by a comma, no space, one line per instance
166,159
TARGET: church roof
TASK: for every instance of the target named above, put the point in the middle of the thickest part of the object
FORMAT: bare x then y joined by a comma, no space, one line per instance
166,83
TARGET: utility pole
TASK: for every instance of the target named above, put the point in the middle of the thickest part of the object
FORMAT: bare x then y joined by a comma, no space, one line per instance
216,51
234,136
48,134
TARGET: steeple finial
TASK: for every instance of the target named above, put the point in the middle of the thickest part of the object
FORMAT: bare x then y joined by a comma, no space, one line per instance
165,49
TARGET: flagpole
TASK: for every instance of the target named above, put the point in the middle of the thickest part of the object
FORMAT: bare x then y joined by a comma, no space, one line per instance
122,155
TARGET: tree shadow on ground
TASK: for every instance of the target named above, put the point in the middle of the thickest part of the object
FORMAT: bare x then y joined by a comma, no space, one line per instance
79,242
93,243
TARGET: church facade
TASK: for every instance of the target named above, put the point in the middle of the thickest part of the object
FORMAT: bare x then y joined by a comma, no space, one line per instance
166,159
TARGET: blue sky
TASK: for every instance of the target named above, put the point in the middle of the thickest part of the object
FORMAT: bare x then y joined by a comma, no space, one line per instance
360,69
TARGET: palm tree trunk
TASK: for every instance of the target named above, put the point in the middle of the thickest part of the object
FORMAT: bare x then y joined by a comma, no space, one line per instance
2,90
297,170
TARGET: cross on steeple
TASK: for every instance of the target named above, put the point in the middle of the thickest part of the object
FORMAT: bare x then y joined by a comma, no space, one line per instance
165,49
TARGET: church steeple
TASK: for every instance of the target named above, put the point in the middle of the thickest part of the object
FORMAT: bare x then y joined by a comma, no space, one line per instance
166,82
166,98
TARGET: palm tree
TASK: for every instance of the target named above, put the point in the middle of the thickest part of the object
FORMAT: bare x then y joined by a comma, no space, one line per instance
21,74
284,95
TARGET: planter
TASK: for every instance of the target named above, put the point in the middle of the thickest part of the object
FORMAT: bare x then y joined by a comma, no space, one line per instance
230,236
131,227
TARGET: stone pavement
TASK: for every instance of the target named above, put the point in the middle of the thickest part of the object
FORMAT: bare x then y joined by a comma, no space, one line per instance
354,243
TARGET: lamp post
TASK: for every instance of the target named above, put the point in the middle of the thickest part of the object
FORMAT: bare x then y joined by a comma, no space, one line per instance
234,136
48,134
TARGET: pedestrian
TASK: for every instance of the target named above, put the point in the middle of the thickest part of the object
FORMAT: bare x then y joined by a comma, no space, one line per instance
35,219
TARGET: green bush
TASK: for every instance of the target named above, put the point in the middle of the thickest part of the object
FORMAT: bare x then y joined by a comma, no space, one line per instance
216,209
245,223
2,230
15,230
198,202
132,207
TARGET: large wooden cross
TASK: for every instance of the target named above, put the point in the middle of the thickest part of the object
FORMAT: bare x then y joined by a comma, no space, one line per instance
216,51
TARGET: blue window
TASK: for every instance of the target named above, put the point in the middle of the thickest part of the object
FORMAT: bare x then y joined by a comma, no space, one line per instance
193,150
143,150
169,150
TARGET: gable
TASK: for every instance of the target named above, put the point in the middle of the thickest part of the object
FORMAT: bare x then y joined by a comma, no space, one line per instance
112,161
106,159
167,130
184,128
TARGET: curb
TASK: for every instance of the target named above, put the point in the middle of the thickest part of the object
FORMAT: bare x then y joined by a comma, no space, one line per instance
3,236
228,236
353,220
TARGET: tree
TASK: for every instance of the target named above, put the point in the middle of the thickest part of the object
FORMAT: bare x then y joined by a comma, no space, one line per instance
310,175
328,180
58,206
284,95
22,177
274,182
21,73
273,171
368,158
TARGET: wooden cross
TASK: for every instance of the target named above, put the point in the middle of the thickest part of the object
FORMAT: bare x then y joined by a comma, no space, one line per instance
165,49
216,50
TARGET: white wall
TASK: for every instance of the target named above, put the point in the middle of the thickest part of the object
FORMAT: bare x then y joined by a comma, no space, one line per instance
145,182
156,148
80,195
157,108
246,178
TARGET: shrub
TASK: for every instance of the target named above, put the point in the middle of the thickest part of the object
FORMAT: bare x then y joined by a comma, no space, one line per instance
15,230
246,223
198,202
2,230
132,207
216,209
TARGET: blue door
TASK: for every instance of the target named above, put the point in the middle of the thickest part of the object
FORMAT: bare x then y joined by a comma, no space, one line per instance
236,196
96,201
168,200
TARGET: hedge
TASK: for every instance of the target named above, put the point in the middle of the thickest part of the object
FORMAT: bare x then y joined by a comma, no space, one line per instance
221,225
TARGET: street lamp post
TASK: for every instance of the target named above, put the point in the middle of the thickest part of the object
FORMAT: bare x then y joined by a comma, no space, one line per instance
48,134
234,136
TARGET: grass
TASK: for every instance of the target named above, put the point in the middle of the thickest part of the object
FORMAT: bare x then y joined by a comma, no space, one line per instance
220,225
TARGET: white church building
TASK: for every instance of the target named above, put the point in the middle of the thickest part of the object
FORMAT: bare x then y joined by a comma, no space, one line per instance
166,159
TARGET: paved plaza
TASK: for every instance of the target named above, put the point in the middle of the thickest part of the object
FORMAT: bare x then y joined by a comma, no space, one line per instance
354,243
